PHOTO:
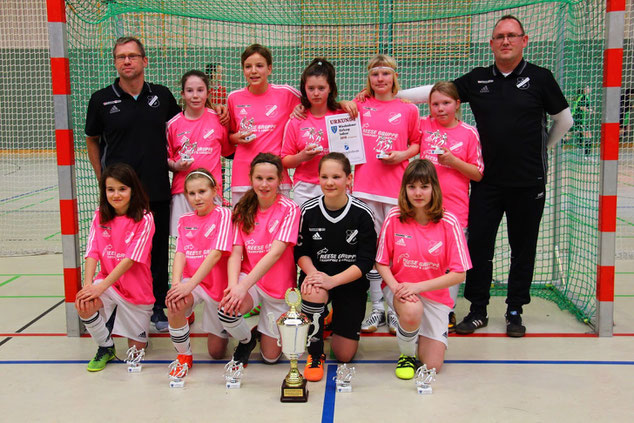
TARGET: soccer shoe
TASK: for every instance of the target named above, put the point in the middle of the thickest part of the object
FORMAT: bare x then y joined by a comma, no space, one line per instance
179,368
314,370
328,320
191,318
452,322
471,322
160,320
243,351
254,311
406,367
514,327
392,322
375,320
103,356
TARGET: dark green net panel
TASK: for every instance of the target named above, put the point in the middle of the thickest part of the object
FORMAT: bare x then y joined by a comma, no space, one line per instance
431,40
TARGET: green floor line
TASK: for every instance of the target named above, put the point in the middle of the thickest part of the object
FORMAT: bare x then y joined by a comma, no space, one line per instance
51,236
31,296
27,206
10,280
624,273
624,296
627,222
31,274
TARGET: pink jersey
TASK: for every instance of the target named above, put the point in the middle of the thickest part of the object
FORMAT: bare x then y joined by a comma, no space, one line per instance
197,237
464,142
387,126
418,253
297,135
279,222
122,237
211,139
265,114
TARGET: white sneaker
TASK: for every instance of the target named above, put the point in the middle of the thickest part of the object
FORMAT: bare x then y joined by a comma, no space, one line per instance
375,320
392,321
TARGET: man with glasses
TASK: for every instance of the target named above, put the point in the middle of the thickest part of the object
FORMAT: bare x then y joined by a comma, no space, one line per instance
125,122
509,100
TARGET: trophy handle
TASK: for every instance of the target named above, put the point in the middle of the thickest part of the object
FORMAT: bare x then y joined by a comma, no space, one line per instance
273,328
316,324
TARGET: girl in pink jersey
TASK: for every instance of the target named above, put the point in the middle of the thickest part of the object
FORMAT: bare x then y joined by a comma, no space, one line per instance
195,138
258,114
199,273
305,140
391,135
261,266
120,241
422,252
454,148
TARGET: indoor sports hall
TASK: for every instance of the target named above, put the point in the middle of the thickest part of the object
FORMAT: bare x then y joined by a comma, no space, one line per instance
576,362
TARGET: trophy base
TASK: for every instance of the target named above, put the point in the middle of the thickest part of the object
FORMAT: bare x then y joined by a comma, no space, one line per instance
294,393
134,369
424,390
177,383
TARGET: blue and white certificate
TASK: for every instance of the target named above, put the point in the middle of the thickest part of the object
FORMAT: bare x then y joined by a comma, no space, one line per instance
345,136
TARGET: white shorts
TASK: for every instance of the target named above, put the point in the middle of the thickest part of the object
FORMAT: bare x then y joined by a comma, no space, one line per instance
433,324
238,192
211,323
304,191
132,320
179,207
277,306
380,211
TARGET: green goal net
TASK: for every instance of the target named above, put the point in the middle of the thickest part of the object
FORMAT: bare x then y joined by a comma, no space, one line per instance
431,40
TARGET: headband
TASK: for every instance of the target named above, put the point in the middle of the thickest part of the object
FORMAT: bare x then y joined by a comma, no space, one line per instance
380,68
196,172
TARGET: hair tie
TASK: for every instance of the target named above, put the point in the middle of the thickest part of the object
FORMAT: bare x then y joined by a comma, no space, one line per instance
319,63
196,172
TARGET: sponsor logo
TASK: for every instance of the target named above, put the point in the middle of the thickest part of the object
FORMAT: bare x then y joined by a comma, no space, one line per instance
401,242
114,109
540,195
108,103
105,234
523,82
367,114
317,237
153,101
488,81
484,89
322,251
316,229
456,146
404,236
143,335
243,111
250,241
189,234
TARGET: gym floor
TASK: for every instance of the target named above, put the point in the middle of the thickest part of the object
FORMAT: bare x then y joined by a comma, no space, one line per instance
559,372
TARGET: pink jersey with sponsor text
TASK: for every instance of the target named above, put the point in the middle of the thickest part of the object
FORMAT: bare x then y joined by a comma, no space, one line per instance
417,253
279,222
211,139
464,142
197,237
122,237
300,133
266,114
387,126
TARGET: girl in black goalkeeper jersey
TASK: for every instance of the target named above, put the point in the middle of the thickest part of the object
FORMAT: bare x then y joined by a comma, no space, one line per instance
335,249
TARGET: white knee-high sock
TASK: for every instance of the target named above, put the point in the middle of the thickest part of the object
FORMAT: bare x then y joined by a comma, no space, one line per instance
406,341
453,292
97,329
180,339
236,326
376,295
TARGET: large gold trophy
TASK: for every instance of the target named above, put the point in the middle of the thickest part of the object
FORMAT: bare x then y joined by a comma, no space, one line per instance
293,327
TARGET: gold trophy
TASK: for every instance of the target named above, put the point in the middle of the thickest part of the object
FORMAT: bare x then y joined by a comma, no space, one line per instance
293,327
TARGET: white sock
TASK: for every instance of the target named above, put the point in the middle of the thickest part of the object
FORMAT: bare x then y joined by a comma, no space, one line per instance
376,295
453,292
180,339
236,326
97,329
406,341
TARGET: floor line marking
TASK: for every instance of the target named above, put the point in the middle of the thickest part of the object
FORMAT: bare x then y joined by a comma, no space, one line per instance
330,394
370,335
10,280
5,340
31,296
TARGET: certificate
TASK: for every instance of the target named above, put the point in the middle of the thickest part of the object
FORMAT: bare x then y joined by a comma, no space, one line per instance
344,136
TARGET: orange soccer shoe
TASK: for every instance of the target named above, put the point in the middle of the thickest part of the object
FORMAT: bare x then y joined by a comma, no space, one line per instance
314,370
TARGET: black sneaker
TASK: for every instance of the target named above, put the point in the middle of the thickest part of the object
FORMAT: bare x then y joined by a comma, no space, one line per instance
452,322
160,320
471,322
243,351
514,327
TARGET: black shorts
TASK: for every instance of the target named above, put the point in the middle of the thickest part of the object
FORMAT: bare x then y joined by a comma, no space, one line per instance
348,308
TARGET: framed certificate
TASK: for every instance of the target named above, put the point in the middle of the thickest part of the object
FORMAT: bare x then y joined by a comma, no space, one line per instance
344,136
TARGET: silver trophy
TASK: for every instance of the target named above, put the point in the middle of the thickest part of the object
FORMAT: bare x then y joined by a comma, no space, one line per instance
383,144
177,372
315,139
343,380
233,374
246,126
187,150
438,141
293,328
424,377
134,359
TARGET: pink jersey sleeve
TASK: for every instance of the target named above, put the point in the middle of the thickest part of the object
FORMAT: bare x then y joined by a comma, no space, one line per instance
224,240
289,227
474,149
458,259
92,248
289,143
172,147
385,247
414,131
140,246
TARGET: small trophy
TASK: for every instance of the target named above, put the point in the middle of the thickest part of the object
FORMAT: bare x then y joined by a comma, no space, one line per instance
424,378
344,378
293,328
134,359
177,372
438,141
316,147
436,150
187,150
246,126
382,155
233,374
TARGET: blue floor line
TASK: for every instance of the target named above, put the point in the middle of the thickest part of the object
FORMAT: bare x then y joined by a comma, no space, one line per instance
328,410
13,197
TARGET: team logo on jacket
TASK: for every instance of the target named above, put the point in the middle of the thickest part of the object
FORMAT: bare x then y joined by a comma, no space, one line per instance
434,247
523,82
273,226
271,110
153,101
128,236
351,236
